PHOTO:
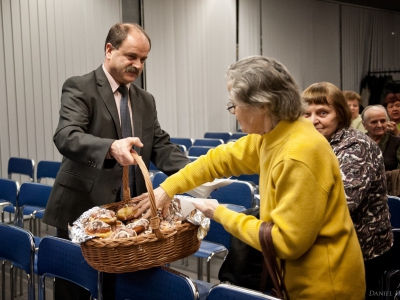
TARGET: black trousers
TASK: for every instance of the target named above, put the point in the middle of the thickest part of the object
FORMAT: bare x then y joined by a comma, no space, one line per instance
65,290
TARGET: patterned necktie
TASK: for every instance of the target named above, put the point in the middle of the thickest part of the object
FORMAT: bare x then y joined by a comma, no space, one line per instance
126,129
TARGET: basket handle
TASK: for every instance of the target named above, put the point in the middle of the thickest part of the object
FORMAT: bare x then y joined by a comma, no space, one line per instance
154,220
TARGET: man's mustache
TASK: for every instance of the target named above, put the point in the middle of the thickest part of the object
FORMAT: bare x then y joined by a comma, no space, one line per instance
132,69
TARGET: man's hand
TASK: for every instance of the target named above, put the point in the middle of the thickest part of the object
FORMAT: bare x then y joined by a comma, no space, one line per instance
120,150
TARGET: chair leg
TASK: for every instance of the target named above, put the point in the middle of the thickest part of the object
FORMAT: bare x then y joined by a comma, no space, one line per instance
100,285
12,281
21,292
199,268
3,280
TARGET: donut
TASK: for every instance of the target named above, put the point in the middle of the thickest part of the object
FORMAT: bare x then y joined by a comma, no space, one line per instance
98,228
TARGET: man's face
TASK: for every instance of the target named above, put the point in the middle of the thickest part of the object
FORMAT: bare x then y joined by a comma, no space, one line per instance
126,63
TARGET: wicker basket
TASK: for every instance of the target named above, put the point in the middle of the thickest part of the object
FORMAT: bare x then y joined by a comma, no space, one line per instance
144,251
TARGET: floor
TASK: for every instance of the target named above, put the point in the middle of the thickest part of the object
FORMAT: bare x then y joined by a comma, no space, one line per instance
188,267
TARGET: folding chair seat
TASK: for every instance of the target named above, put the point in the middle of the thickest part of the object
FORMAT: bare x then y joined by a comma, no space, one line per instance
208,142
225,136
17,246
157,283
187,142
47,169
63,259
199,150
233,292
32,201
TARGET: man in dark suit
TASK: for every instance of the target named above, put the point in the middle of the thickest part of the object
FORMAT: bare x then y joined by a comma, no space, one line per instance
90,139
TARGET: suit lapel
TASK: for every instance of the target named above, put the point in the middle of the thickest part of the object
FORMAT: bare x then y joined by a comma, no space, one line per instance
106,94
137,113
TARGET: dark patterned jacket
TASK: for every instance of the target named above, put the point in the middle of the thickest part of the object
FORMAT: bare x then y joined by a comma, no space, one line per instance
363,174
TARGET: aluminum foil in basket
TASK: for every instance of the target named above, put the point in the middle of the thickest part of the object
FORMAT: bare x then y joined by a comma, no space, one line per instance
196,217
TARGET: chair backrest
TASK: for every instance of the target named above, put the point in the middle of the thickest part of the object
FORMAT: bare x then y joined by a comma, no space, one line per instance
238,193
198,150
193,158
225,136
17,246
253,178
153,168
208,142
9,190
187,142
156,283
394,209
47,169
232,292
33,193
23,166
63,259
238,135
182,148
158,179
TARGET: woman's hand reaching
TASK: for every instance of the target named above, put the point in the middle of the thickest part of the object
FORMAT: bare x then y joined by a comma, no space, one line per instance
162,201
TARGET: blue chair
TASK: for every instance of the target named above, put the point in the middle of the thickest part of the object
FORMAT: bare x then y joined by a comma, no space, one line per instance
8,195
238,193
187,142
199,150
17,246
157,283
233,292
158,179
225,136
253,179
32,201
238,135
217,240
183,148
22,166
193,158
208,142
394,209
47,169
63,259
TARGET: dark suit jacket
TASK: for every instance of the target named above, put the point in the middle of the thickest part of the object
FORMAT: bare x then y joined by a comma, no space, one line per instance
88,125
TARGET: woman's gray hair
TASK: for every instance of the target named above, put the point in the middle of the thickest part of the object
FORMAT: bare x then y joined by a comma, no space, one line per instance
369,108
258,80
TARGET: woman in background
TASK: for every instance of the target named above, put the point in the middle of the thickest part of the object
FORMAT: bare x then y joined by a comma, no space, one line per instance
363,174
354,100
376,122
392,105
301,191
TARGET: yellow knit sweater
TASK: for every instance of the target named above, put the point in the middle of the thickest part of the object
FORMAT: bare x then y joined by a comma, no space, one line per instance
302,193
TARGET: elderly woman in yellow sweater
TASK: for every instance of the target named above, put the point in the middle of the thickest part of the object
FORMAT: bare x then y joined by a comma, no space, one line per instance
301,190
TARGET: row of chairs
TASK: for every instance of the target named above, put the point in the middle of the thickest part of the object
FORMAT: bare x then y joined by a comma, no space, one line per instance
205,141
61,258
26,166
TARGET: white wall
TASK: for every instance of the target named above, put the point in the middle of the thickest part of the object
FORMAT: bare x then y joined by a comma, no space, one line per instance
42,43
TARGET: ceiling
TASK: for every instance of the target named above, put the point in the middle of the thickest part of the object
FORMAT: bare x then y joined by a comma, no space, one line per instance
391,5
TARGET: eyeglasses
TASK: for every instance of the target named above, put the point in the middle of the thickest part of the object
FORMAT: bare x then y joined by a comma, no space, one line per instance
230,107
